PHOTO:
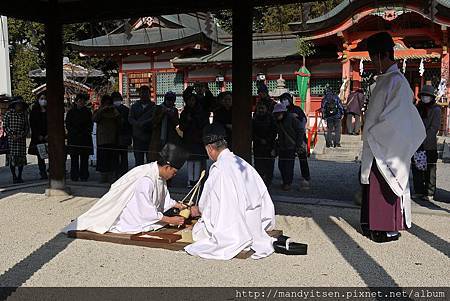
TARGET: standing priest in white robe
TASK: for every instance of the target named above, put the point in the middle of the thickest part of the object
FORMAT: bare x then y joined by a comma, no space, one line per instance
136,202
235,207
393,131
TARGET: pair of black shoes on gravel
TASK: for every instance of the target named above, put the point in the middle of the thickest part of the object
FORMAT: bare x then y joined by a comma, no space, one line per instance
378,236
284,245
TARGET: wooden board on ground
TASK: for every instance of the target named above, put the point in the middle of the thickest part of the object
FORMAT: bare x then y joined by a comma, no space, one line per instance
125,239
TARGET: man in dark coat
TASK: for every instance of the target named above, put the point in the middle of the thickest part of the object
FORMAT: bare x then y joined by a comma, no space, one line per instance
125,133
264,133
165,121
302,154
355,103
79,138
192,121
224,116
39,132
140,118
290,141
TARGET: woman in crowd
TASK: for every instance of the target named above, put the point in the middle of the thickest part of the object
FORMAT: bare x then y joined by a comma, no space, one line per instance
223,115
16,126
290,141
192,121
125,134
108,121
39,132
165,121
425,180
264,135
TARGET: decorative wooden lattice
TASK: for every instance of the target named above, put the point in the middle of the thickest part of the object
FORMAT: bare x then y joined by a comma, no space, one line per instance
291,85
124,85
170,81
214,88
433,75
319,85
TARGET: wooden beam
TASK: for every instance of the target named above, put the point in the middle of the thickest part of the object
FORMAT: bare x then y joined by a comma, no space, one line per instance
78,11
242,79
55,96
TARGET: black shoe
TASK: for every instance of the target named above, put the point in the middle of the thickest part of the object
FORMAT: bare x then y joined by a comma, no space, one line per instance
381,237
283,246
365,230
338,145
44,177
19,180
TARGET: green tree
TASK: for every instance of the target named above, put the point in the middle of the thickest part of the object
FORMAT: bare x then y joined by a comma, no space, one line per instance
27,52
25,59
277,18
305,48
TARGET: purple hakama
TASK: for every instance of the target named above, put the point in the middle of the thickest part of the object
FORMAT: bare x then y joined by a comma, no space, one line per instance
381,207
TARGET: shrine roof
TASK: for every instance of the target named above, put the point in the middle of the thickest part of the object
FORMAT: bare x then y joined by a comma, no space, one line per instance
273,48
172,30
69,71
351,9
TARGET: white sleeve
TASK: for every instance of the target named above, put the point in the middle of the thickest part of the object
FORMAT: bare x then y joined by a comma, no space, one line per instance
143,198
168,202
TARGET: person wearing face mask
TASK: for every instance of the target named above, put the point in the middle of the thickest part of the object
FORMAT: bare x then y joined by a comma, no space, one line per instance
425,180
16,126
287,100
79,138
290,141
39,131
393,131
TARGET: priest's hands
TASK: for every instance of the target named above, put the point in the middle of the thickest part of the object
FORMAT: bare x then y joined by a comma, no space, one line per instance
173,220
195,211
180,206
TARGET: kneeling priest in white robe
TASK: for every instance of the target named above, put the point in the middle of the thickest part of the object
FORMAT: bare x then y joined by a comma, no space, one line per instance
235,207
136,202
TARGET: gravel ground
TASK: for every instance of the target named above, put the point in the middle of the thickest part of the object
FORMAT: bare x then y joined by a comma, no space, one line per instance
341,176
33,253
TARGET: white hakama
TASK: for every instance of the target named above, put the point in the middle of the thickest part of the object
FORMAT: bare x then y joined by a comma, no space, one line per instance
134,203
236,212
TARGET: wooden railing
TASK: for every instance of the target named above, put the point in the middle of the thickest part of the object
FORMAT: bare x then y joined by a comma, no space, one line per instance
313,132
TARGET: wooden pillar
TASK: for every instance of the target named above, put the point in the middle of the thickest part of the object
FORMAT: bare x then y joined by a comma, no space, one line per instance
346,74
242,79
55,97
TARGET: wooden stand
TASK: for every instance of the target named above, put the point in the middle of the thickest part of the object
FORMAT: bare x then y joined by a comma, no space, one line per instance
167,242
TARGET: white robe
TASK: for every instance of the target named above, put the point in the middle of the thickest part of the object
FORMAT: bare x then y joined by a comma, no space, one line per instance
236,212
134,203
393,131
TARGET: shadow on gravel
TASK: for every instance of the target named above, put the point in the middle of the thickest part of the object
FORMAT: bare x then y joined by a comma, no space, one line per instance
25,269
372,273
430,205
431,239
